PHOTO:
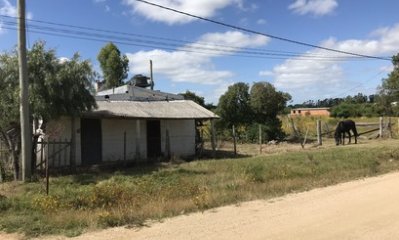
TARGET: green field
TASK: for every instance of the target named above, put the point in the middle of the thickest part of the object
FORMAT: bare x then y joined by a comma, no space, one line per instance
78,203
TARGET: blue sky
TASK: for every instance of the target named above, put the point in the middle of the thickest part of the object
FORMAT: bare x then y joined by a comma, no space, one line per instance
206,58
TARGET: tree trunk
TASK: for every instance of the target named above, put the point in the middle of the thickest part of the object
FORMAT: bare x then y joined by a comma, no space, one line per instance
72,155
2,172
15,161
12,144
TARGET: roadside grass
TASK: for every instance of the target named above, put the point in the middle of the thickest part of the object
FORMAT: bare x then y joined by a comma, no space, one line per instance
78,203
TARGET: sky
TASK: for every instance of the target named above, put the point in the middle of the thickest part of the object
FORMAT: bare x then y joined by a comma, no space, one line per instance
203,57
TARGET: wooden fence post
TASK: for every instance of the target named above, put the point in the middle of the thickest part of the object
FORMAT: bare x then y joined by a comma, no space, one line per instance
47,166
260,138
319,139
381,127
124,146
167,144
234,140
138,139
213,139
72,149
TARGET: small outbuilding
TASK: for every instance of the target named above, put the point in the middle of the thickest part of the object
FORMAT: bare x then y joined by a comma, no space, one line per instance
130,124
310,112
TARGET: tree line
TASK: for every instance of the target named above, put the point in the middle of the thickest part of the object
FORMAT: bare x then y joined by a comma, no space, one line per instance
385,102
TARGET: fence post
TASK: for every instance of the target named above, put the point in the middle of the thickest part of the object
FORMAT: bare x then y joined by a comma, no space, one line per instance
234,140
124,146
72,148
398,126
66,153
138,138
381,127
47,170
319,139
260,138
167,144
213,138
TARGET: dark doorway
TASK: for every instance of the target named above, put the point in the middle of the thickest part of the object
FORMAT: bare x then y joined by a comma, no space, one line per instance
91,141
153,138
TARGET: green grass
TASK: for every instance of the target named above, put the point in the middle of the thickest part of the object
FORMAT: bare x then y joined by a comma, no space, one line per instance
130,197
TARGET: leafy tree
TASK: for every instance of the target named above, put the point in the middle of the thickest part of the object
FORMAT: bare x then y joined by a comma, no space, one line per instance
113,65
55,89
389,90
266,103
9,110
345,110
188,95
233,107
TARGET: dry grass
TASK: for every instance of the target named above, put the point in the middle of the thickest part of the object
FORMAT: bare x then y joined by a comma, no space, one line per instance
133,196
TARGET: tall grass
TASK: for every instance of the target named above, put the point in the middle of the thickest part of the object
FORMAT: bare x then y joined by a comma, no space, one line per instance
132,196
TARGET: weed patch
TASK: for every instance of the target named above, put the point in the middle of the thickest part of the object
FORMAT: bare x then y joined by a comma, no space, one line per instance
130,197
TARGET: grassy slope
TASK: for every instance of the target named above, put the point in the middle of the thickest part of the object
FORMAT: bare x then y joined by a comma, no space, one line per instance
94,200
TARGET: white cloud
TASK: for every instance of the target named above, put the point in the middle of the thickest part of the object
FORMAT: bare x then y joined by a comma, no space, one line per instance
266,73
387,69
203,8
218,44
188,67
63,59
7,9
315,7
261,21
306,76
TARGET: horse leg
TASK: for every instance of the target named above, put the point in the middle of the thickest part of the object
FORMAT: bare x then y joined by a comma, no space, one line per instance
350,137
343,138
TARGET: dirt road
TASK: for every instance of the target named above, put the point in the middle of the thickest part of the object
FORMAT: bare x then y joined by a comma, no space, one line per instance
363,209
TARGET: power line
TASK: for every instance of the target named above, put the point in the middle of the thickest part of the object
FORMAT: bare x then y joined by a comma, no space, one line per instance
358,85
263,34
193,47
161,45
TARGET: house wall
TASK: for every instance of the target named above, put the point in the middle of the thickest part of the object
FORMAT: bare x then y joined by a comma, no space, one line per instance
181,138
113,131
181,135
60,131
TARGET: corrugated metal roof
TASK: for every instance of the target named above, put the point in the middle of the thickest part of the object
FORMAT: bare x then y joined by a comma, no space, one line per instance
178,109
137,94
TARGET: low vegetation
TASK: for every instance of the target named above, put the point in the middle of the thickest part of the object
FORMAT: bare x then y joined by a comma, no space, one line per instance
80,202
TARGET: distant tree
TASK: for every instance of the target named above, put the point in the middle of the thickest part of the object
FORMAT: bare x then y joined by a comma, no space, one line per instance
233,107
346,110
113,65
266,103
188,95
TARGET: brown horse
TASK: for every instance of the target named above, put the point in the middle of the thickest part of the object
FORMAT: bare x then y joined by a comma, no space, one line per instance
345,127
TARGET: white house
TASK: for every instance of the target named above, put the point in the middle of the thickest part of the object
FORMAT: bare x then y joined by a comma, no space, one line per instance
130,124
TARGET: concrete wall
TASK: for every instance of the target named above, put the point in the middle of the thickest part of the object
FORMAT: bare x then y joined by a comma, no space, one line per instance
60,130
181,138
113,142
181,135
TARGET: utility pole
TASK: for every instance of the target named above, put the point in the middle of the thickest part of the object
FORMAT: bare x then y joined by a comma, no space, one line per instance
26,140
